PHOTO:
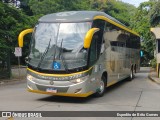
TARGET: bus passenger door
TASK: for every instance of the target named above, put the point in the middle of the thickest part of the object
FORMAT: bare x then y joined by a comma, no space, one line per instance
94,53
95,57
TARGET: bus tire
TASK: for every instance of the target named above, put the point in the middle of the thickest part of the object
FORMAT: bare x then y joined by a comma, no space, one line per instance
102,87
131,76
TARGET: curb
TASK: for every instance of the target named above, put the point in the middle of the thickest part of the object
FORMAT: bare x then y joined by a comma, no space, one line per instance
149,76
11,81
16,67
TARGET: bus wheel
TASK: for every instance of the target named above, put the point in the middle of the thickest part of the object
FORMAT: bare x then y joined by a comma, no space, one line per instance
100,92
131,75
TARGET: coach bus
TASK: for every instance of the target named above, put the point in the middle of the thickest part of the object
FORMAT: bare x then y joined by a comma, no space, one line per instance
79,53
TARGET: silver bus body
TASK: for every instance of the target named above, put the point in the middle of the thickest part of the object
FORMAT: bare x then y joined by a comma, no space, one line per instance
113,55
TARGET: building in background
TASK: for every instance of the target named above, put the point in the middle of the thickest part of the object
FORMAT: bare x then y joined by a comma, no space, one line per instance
156,32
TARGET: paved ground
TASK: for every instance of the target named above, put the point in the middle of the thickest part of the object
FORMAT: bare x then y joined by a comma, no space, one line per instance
141,94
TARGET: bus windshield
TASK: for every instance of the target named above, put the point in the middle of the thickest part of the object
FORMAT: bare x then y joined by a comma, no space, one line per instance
59,46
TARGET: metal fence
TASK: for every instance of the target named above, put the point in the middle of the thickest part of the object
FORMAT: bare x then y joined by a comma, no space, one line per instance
5,67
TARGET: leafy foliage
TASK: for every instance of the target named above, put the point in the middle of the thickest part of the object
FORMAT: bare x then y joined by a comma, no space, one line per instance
12,22
146,17
155,13
119,10
52,6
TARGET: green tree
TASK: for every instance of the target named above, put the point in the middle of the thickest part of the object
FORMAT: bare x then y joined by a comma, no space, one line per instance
141,24
25,7
52,6
12,22
155,13
117,9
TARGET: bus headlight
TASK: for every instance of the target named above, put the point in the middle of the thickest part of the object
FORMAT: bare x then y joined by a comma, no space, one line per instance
30,77
79,80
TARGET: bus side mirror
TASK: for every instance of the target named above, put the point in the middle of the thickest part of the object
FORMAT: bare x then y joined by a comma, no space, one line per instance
21,36
88,37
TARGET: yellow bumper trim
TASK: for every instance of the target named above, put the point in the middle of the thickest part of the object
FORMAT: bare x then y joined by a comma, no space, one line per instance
63,94
111,83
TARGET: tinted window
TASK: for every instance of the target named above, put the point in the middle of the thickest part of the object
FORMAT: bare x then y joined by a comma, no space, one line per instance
158,41
133,42
99,24
93,51
115,34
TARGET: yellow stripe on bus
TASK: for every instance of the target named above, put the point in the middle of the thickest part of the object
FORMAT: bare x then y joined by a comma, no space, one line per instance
63,94
114,23
62,75
111,83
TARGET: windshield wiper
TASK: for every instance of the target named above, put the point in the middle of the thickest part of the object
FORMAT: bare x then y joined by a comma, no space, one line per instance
62,57
44,54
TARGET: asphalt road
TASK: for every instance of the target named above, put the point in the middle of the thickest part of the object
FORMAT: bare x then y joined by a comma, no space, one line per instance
140,94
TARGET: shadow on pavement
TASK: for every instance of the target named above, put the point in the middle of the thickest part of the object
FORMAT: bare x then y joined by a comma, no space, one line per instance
61,99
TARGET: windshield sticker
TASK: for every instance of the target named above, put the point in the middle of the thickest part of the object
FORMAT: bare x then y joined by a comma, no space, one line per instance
56,65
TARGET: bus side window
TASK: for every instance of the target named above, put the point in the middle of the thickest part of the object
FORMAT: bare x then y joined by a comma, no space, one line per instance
121,44
114,45
135,42
158,46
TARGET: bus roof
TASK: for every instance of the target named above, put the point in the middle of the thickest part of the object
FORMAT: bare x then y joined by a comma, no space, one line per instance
74,16
81,16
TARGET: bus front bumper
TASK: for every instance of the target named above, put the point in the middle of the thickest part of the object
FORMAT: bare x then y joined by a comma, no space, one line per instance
60,88
62,94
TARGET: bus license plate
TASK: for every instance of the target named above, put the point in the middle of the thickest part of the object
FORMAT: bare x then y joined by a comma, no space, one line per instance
51,90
